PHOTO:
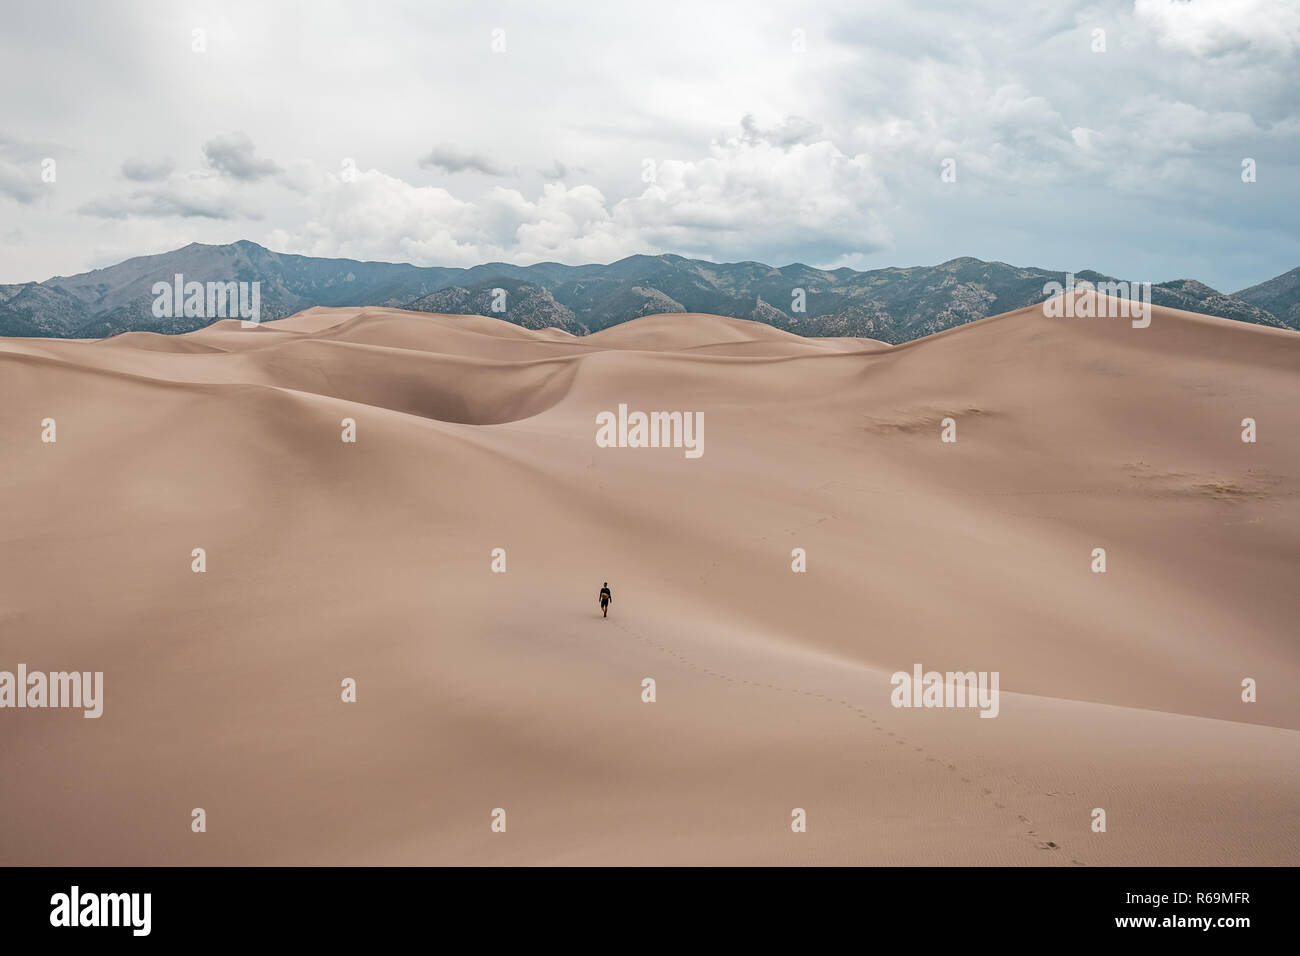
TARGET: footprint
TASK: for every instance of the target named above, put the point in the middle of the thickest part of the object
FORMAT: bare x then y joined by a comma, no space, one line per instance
1047,845
987,792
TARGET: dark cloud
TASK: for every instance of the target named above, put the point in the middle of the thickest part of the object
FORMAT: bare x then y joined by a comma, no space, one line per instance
146,171
449,159
557,171
20,183
560,171
20,169
791,130
181,200
233,155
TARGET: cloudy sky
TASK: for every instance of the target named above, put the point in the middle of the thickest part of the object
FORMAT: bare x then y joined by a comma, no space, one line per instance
817,132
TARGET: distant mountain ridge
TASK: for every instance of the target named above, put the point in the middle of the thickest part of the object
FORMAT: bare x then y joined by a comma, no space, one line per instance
891,304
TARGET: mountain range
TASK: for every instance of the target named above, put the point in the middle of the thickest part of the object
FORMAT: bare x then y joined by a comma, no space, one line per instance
892,304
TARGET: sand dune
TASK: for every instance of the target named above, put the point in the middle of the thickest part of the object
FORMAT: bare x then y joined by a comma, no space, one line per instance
478,690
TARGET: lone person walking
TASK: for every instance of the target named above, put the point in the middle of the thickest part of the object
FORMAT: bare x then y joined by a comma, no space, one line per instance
605,598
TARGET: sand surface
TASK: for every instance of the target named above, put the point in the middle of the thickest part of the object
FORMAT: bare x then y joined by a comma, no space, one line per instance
479,690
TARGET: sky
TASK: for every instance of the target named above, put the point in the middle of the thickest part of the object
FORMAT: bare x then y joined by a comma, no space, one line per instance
1069,136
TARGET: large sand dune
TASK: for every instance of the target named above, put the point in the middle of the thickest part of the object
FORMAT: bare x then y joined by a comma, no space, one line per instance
478,690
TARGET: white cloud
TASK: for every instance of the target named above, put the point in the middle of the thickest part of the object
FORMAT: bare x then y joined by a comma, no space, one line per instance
745,186
197,194
1084,138
721,204
1175,126
377,216
1223,27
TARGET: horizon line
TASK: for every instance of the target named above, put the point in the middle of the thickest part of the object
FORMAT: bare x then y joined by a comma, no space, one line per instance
635,255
